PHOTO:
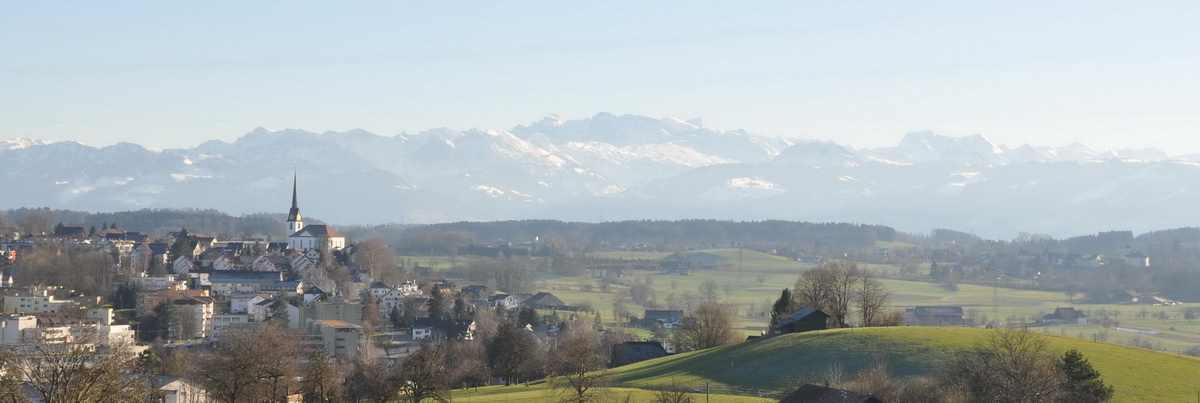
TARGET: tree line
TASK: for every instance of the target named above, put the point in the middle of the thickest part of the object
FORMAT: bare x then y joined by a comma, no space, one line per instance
838,288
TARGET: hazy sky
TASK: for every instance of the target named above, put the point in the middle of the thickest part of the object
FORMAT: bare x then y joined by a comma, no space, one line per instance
1107,74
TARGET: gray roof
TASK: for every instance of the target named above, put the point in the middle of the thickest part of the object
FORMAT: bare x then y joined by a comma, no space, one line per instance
318,230
939,311
544,298
664,314
233,276
799,315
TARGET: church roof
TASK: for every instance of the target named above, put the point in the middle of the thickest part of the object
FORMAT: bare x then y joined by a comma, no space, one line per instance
317,230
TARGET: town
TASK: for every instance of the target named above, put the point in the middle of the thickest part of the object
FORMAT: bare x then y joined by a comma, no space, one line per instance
309,314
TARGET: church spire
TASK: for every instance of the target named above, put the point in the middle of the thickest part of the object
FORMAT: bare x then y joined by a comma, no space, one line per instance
294,221
295,206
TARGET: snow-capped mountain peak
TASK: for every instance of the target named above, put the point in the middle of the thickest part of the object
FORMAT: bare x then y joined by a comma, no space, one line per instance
610,167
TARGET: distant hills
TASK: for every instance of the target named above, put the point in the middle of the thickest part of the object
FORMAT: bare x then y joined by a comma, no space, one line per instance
610,167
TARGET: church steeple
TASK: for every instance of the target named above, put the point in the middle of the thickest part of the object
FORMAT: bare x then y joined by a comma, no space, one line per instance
294,221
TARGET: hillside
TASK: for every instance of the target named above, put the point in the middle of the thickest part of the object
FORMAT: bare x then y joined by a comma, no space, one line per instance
772,363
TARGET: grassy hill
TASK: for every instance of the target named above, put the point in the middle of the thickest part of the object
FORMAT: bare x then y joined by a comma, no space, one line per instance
541,392
777,362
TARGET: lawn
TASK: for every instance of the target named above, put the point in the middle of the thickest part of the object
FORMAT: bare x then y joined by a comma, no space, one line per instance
754,284
781,362
436,262
540,392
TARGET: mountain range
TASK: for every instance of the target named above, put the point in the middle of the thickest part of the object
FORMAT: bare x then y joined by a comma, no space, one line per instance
611,167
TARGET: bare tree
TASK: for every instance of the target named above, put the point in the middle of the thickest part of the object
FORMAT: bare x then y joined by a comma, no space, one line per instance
10,380
836,286
470,367
78,365
579,363
37,221
710,325
87,270
512,275
486,323
249,363
708,290
1011,366
323,379
511,353
375,258
829,288
372,380
872,299
424,375
673,393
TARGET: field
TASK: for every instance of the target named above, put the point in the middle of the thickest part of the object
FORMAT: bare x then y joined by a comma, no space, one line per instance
752,280
737,278
770,367
782,362
540,392
436,262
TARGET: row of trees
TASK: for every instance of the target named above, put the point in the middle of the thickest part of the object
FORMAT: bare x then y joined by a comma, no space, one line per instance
838,288
41,220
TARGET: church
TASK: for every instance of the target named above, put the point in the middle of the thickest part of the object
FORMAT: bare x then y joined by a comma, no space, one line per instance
308,237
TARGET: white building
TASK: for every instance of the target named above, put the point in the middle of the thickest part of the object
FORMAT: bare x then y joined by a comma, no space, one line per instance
305,237
154,283
342,340
38,301
221,322
13,327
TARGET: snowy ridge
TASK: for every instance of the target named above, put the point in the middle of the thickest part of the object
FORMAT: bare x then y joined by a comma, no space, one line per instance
610,167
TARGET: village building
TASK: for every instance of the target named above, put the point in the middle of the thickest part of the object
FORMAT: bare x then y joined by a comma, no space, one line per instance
804,320
810,393
1066,315
342,340
544,300
665,318
310,237
636,351
934,316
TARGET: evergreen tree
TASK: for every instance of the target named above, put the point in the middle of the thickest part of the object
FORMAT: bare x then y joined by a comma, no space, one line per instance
508,353
278,311
437,304
183,245
784,306
527,316
1080,382
461,309
159,324
396,317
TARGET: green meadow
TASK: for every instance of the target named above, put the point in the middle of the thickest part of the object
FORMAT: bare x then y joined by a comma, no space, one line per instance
541,392
752,280
782,362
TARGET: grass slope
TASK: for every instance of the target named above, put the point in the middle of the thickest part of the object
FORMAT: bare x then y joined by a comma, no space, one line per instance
782,361
543,393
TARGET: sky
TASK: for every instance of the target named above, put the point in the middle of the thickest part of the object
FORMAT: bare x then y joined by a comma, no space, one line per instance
175,74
